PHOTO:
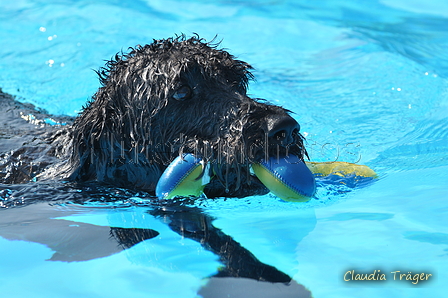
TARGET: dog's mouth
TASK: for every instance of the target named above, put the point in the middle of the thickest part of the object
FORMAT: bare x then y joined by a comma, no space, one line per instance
250,165
286,176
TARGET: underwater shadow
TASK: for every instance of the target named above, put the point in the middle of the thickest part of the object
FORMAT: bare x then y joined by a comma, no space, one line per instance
30,213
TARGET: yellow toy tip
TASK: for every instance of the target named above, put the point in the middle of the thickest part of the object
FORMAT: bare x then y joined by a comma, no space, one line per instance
340,168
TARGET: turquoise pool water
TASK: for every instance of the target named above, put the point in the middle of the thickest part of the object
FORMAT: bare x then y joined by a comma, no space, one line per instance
367,82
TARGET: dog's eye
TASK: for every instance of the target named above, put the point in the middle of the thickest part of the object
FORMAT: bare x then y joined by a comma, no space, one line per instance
182,93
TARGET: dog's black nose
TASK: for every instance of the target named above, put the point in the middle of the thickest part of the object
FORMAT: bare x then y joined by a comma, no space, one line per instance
281,129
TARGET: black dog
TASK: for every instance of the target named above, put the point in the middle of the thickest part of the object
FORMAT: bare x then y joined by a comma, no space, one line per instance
174,96
171,97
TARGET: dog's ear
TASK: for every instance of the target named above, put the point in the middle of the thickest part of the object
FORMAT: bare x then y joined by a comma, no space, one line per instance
245,74
136,79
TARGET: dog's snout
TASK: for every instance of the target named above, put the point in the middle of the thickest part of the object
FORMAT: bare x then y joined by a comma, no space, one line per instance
281,129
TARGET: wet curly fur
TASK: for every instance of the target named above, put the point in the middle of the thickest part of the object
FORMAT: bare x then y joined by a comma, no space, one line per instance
173,96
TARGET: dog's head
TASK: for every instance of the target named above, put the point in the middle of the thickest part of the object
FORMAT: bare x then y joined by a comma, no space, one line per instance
176,96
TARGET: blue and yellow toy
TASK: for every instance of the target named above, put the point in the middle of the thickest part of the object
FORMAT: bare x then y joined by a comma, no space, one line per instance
185,176
288,177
